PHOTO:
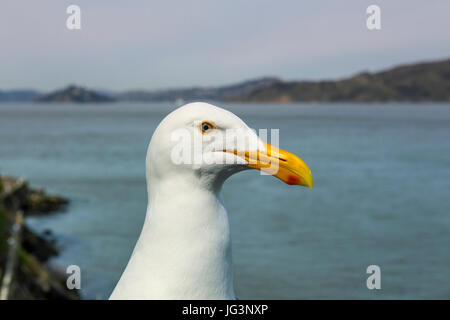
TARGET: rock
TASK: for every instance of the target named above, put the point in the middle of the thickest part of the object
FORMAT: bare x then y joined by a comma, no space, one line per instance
41,248
26,258
38,202
17,195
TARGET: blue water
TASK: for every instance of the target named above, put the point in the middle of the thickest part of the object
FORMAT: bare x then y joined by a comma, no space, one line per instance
381,196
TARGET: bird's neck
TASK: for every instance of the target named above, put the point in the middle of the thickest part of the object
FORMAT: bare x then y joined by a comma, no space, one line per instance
184,250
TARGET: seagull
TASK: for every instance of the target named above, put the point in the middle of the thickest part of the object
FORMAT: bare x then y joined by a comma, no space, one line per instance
184,249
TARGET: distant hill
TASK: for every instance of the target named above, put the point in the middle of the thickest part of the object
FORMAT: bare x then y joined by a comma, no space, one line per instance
198,93
74,94
417,82
19,95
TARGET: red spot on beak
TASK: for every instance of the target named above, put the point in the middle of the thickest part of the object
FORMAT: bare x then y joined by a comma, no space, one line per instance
293,180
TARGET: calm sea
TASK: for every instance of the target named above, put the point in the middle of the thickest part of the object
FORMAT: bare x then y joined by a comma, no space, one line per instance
381,196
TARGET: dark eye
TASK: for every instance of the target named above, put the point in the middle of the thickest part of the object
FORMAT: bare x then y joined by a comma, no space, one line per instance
206,127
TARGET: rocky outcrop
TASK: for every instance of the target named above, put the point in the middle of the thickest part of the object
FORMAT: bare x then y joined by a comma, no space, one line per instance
24,271
17,195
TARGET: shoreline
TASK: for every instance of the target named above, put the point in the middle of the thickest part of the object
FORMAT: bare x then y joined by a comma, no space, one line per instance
24,254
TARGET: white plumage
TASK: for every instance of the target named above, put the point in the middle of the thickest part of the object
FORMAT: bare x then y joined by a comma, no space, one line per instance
184,249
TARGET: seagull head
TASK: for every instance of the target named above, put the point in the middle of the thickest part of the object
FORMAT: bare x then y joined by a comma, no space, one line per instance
208,144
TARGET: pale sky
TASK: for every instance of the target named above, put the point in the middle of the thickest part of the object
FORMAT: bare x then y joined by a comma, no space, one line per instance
181,43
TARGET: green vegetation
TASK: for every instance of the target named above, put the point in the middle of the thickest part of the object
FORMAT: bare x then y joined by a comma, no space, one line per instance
2,231
3,235
24,257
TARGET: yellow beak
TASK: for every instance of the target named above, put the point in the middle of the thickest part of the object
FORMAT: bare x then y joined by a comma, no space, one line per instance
282,164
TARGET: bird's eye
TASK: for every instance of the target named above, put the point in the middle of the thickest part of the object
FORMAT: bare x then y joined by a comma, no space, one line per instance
206,127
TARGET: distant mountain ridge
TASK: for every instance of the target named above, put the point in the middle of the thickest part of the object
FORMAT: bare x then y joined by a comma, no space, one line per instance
428,81
421,82
199,93
415,83
74,94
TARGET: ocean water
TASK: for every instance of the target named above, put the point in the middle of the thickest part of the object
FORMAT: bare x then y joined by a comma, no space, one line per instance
381,195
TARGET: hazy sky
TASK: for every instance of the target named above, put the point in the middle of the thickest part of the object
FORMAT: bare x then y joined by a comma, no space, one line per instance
159,44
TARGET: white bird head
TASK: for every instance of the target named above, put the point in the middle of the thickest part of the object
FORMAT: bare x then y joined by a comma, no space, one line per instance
207,142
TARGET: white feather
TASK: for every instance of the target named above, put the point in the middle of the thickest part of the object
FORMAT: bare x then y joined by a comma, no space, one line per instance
184,250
